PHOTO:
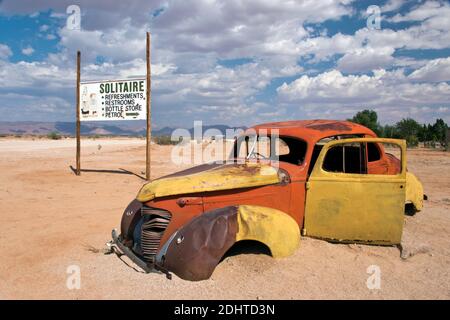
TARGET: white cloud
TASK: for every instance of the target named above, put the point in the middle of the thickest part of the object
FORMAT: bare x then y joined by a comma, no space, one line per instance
95,14
35,76
433,16
366,59
369,49
392,5
186,47
129,69
392,94
269,30
331,87
324,47
189,37
219,94
233,26
21,107
44,27
422,12
28,51
434,71
5,52
121,44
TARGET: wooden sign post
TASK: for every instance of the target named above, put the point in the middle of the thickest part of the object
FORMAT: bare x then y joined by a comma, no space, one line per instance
99,102
149,112
78,169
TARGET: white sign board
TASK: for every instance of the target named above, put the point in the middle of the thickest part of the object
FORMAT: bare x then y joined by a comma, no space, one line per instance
113,100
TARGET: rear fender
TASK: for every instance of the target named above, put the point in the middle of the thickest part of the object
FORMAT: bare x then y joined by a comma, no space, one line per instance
414,191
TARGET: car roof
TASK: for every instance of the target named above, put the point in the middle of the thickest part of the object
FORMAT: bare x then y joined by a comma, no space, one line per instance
313,130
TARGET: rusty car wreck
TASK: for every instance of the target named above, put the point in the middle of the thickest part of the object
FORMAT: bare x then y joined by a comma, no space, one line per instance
333,180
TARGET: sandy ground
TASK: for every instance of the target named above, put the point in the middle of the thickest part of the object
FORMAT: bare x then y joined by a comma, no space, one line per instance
52,219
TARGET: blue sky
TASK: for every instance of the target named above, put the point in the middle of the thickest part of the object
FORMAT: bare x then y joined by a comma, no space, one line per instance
233,62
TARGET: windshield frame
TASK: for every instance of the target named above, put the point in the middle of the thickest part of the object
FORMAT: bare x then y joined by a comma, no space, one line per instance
234,155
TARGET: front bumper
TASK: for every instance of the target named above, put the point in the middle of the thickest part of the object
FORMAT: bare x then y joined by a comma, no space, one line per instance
116,246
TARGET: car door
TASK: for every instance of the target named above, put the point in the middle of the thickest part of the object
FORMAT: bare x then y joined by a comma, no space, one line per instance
345,204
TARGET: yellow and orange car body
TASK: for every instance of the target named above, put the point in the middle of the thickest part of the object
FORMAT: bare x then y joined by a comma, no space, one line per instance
212,206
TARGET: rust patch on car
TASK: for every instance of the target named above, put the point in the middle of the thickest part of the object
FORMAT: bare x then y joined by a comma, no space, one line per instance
224,177
199,245
336,126
196,169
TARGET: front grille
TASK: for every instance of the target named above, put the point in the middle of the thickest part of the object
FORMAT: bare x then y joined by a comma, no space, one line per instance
153,227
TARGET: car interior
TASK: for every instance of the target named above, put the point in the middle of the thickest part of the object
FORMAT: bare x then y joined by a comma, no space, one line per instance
334,161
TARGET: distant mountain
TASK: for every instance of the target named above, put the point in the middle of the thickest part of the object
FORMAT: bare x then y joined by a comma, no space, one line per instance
117,128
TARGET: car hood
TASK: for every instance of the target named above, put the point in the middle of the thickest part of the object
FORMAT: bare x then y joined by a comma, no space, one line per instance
222,177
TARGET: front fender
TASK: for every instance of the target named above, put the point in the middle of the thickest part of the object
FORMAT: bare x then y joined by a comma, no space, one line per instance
196,249
414,191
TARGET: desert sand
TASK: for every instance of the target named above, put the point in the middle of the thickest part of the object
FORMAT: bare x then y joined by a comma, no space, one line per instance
52,219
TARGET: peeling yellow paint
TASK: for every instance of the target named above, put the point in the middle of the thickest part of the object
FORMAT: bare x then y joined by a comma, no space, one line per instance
414,191
274,228
225,177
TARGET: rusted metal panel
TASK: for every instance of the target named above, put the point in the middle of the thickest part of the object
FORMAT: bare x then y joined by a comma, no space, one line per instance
225,177
130,217
195,169
338,126
388,164
313,130
200,244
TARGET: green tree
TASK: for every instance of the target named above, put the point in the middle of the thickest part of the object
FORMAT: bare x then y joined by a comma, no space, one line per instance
367,118
409,130
423,133
54,135
164,140
439,129
387,131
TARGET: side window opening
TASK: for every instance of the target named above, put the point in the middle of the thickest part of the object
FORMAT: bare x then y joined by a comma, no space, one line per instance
290,150
373,152
346,158
319,145
355,158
